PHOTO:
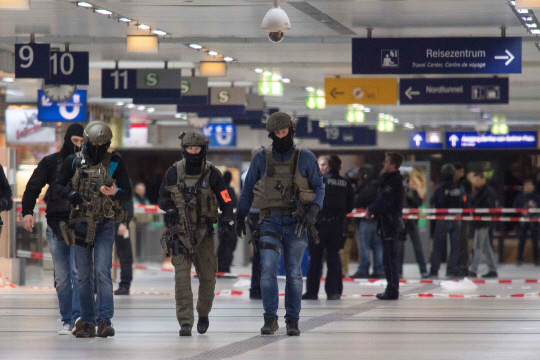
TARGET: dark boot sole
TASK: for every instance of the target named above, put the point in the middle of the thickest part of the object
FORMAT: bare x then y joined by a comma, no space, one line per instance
85,336
293,333
107,333
269,332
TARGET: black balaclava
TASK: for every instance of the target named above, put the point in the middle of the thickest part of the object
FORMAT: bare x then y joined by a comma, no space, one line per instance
194,161
284,144
95,153
68,147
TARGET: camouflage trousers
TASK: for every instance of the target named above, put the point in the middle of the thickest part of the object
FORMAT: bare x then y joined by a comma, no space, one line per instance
206,267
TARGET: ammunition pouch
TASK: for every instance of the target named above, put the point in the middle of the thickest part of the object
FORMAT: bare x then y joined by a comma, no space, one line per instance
306,196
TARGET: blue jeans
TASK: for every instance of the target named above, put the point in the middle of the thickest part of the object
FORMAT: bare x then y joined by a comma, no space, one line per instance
368,240
103,245
293,250
65,277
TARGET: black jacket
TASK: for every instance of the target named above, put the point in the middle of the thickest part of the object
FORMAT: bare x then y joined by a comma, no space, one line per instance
61,186
483,198
338,196
366,194
390,195
45,173
165,202
448,195
5,190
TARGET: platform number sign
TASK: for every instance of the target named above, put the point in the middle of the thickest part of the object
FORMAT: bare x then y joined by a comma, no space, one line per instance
32,61
70,68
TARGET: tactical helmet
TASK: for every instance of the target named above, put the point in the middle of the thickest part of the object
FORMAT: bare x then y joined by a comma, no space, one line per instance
194,138
97,132
278,121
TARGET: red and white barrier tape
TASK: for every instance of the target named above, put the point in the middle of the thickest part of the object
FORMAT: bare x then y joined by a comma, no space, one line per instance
461,211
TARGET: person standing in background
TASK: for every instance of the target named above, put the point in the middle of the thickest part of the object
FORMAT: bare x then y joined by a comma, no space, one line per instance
227,239
124,249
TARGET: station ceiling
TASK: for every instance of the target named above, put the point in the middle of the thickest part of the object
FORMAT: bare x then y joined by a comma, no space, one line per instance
317,46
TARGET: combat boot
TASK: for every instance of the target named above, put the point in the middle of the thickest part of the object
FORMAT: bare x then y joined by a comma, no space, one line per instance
292,328
270,325
203,324
185,330
105,329
87,331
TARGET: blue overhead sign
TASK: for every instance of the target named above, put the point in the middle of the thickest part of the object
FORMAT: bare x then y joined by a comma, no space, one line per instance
473,140
348,136
419,140
220,135
468,55
141,84
453,91
73,109
71,68
32,61
306,129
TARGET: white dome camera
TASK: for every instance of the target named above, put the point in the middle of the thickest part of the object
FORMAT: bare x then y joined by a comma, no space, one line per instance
275,22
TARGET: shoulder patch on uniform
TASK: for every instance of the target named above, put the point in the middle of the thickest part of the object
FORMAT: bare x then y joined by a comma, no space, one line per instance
225,195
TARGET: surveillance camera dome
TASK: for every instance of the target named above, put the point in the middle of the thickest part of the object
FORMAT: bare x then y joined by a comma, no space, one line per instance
275,22
276,36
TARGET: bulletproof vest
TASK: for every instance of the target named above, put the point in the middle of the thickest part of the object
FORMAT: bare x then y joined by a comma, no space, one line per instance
453,196
198,195
335,196
88,180
281,180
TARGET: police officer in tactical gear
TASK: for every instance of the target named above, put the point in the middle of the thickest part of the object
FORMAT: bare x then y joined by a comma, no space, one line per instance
338,201
65,270
190,194
387,210
94,181
285,183
447,195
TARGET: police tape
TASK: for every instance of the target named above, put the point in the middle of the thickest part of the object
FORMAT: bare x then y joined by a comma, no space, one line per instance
460,218
461,211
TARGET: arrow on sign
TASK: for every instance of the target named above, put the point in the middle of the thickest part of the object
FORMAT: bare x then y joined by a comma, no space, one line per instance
409,93
334,92
508,57
454,140
45,101
417,139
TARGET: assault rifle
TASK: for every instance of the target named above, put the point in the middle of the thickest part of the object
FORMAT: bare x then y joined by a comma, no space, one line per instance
299,213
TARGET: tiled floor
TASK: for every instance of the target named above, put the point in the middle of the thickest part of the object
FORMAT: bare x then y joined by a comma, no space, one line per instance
352,328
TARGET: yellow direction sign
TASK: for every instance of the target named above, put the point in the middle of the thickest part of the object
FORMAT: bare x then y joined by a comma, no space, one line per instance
363,91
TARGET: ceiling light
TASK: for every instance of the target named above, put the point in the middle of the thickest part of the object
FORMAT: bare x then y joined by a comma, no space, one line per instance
140,107
120,103
310,88
151,110
159,32
259,70
178,116
513,3
129,106
84,4
320,92
143,27
267,73
104,12
409,126
285,80
527,18
126,20
228,59
532,25
366,110
8,79
522,11
195,46
535,31
212,53
276,77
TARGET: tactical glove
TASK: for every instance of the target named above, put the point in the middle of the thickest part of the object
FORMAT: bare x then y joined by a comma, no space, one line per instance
307,220
74,197
226,228
240,225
